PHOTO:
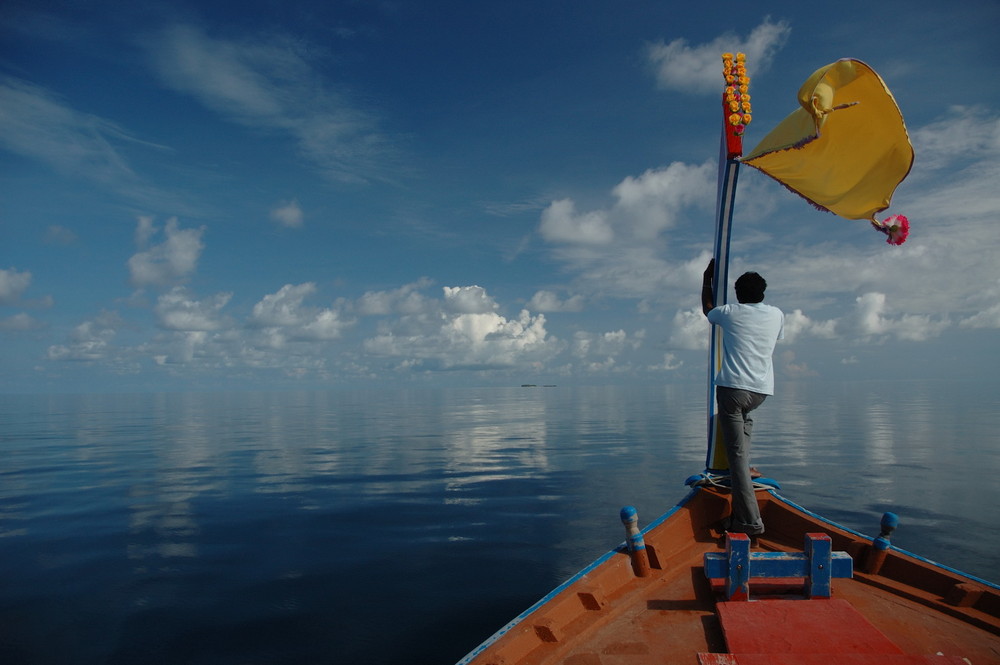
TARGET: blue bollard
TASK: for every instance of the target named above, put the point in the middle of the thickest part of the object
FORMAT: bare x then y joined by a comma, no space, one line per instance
634,541
880,545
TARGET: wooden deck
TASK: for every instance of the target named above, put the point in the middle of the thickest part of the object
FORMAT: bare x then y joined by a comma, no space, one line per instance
911,612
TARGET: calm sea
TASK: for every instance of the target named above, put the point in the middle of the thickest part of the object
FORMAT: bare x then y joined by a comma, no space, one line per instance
405,527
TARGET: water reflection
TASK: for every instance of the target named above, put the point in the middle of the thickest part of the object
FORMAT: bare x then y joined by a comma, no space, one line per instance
167,518
493,436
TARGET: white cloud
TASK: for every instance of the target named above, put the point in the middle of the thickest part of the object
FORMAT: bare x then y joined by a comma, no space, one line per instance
19,323
963,134
870,307
284,317
988,318
269,82
560,223
12,284
288,215
325,325
793,369
797,324
406,299
90,341
41,126
608,344
691,330
680,66
283,308
176,310
38,125
172,260
619,250
547,301
670,363
651,203
462,331
873,321
468,300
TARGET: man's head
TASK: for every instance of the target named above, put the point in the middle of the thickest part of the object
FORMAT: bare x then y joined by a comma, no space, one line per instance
750,288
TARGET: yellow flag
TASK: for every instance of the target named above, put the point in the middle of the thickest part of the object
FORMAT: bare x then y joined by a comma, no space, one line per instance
846,149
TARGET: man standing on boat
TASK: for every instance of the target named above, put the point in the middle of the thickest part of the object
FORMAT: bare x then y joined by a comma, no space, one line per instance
750,329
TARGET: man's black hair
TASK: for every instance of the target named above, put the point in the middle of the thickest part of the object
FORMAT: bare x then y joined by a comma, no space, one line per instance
750,287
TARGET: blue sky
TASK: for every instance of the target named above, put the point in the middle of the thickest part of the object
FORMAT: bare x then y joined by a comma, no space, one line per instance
216,195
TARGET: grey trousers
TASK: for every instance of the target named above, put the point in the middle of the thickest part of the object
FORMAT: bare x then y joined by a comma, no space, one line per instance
736,424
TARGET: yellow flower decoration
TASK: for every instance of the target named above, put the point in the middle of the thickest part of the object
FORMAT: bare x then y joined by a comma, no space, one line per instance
736,96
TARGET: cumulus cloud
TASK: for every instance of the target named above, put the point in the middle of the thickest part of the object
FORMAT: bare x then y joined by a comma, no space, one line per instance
284,316
644,207
873,320
407,299
651,203
798,324
792,368
988,318
177,310
547,301
463,330
271,82
670,363
561,223
468,300
613,351
697,68
12,284
605,344
168,262
288,215
283,308
691,330
89,341
619,250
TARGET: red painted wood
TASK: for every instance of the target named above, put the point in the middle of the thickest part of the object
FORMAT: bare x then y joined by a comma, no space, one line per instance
800,627
826,659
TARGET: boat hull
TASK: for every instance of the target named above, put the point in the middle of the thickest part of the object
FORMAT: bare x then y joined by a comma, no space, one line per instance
607,614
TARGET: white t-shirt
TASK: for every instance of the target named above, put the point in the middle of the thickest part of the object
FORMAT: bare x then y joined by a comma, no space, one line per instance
749,333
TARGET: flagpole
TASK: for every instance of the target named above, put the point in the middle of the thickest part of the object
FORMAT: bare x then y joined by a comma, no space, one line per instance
735,119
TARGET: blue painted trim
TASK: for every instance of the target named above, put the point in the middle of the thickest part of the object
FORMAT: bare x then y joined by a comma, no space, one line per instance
568,583
737,566
973,578
817,564
820,555
771,565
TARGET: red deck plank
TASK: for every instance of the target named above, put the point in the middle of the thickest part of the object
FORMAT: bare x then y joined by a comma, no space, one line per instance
826,659
800,627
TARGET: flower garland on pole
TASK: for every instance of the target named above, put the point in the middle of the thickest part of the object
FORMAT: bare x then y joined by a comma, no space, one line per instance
736,101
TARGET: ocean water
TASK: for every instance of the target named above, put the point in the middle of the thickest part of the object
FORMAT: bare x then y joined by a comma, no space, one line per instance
407,526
